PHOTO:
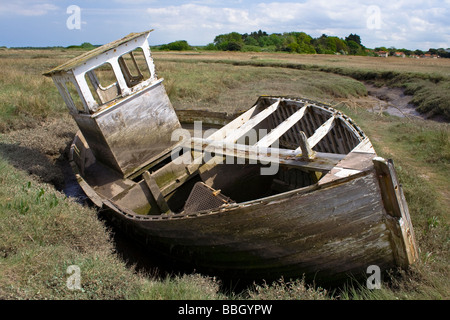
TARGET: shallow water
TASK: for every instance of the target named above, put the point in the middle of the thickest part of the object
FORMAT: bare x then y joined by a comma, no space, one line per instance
71,187
394,102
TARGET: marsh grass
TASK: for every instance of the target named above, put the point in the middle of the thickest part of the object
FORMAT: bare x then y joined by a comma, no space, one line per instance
233,88
428,80
43,232
296,289
26,97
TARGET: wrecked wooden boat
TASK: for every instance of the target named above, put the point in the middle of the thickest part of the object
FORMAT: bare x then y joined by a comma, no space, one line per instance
290,187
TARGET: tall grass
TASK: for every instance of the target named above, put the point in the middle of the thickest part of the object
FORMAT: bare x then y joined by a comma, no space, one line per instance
235,88
43,232
26,97
427,81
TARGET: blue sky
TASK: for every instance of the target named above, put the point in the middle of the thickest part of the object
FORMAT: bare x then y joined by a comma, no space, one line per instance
407,24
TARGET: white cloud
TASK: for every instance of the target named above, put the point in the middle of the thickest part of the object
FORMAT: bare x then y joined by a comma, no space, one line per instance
402,23
26,8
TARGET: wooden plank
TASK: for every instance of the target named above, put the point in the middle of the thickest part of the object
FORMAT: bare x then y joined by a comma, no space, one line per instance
397,208
235,124
238,127
236,134
364,146
317,118
321,132
156,192
322,161
276,133
297,127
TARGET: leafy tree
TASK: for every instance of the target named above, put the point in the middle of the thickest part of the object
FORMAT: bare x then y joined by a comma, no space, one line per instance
180,45
251,41
87,45
353,47
276,41
233,46
210,46
355,38
231,41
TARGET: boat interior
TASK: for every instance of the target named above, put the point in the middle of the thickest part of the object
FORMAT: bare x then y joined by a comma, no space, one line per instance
126,155
278,145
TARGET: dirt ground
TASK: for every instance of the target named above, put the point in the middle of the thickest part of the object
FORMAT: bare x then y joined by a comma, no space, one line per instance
41,151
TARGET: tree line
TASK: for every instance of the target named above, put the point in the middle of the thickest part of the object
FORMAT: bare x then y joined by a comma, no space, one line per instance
294,42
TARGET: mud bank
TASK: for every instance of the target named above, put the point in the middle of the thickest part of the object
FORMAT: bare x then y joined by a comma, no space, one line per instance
394,102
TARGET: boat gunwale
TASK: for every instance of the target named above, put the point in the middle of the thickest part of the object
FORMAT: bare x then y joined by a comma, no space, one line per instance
96,198
229,207
284,196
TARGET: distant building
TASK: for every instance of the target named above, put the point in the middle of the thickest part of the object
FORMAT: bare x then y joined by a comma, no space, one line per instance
399,54
430,56
384,54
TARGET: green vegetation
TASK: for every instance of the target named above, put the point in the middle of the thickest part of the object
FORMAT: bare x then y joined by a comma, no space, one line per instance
181,45
44,232
83,46
233,88
298,42
430,90
295,42
25,97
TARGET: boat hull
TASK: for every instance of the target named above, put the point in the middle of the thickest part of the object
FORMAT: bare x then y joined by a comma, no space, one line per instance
330,233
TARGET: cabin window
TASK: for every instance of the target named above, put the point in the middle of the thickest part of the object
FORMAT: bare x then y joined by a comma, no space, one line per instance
103,84
72,97
134,67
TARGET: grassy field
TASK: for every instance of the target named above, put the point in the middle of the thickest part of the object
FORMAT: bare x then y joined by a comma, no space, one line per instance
44,232
427,80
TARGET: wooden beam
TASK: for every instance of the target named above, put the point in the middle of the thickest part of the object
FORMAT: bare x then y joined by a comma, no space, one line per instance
276,133
322,161
233,125
238,127
236,134
364,146
156,192
321,132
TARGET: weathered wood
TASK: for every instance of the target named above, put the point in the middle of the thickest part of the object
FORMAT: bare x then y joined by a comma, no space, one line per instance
156,192
234,135
233,125
321,132
396,207
322,161
276,133
364,146
281,235
306,150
